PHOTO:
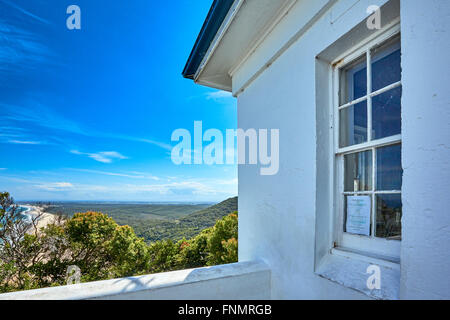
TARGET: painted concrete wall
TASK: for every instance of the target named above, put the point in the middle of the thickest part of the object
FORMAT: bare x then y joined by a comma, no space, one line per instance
277,214
278,220
426,149
237,281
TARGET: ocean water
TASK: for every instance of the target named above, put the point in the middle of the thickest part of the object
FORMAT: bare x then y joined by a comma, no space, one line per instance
22,213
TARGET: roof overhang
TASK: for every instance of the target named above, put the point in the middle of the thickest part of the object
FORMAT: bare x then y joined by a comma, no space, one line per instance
229,34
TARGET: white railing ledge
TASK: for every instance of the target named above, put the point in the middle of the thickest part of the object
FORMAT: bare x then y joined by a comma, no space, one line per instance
242,280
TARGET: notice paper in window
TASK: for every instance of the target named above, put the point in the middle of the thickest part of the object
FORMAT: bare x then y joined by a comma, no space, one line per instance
358,215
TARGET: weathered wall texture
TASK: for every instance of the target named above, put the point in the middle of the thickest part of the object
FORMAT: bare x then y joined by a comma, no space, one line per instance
278,213
425,253
246,281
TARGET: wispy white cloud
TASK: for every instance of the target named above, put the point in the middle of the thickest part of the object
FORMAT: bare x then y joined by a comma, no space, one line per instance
114,174
146,175
178,189
218,95
22,49
33,112
103,156
39,115
55,186
132,175
170,189
6,131
162,145
185,186
12,135
25,142
26,12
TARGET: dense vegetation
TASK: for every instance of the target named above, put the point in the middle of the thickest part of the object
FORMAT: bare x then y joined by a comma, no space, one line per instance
128,213
156,222
188,226
102,249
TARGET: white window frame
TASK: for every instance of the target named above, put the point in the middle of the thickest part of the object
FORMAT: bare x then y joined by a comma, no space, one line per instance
379,247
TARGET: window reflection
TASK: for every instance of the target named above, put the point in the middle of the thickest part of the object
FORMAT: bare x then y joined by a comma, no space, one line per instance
386,114
386,65
353,125
389,214
354,81
389,168
358,171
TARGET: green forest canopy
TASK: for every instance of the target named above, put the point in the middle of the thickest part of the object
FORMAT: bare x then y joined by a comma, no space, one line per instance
102,249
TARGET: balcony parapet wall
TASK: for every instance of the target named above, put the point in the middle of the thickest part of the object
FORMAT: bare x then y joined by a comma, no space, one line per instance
237,281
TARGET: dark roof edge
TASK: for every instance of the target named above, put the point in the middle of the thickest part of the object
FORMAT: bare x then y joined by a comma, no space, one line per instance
214,20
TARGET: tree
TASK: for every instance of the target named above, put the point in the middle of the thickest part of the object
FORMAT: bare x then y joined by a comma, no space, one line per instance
29,257
230,247
194,253
32,257
163,256
19,249
222,243
89,235
102,249
130,254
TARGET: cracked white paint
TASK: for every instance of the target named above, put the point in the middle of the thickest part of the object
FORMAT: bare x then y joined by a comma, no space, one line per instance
425,253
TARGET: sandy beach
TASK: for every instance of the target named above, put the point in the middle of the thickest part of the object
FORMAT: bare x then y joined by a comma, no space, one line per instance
45,218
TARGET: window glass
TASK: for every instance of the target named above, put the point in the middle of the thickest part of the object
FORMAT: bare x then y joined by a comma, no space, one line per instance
353,125
389,168
388,216
358,171
386,64
386,114
372,168
353,81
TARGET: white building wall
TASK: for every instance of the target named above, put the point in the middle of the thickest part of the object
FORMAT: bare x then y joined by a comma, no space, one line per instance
425,251
277,214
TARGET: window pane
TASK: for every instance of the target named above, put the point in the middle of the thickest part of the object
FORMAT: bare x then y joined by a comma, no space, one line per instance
386,64
389,168
358,171
389,214
353,81
353,125
386,113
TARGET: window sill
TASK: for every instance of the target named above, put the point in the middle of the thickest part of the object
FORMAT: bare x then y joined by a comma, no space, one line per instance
350,270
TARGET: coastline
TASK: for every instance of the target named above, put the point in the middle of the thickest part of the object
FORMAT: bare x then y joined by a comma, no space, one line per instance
34,211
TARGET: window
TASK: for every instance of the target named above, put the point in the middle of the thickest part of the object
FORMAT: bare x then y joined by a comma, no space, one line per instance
368,147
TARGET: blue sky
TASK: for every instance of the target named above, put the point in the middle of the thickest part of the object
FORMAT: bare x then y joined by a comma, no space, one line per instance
88,114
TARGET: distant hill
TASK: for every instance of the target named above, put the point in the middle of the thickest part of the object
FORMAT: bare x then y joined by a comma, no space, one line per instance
189,225
154,221
129,213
